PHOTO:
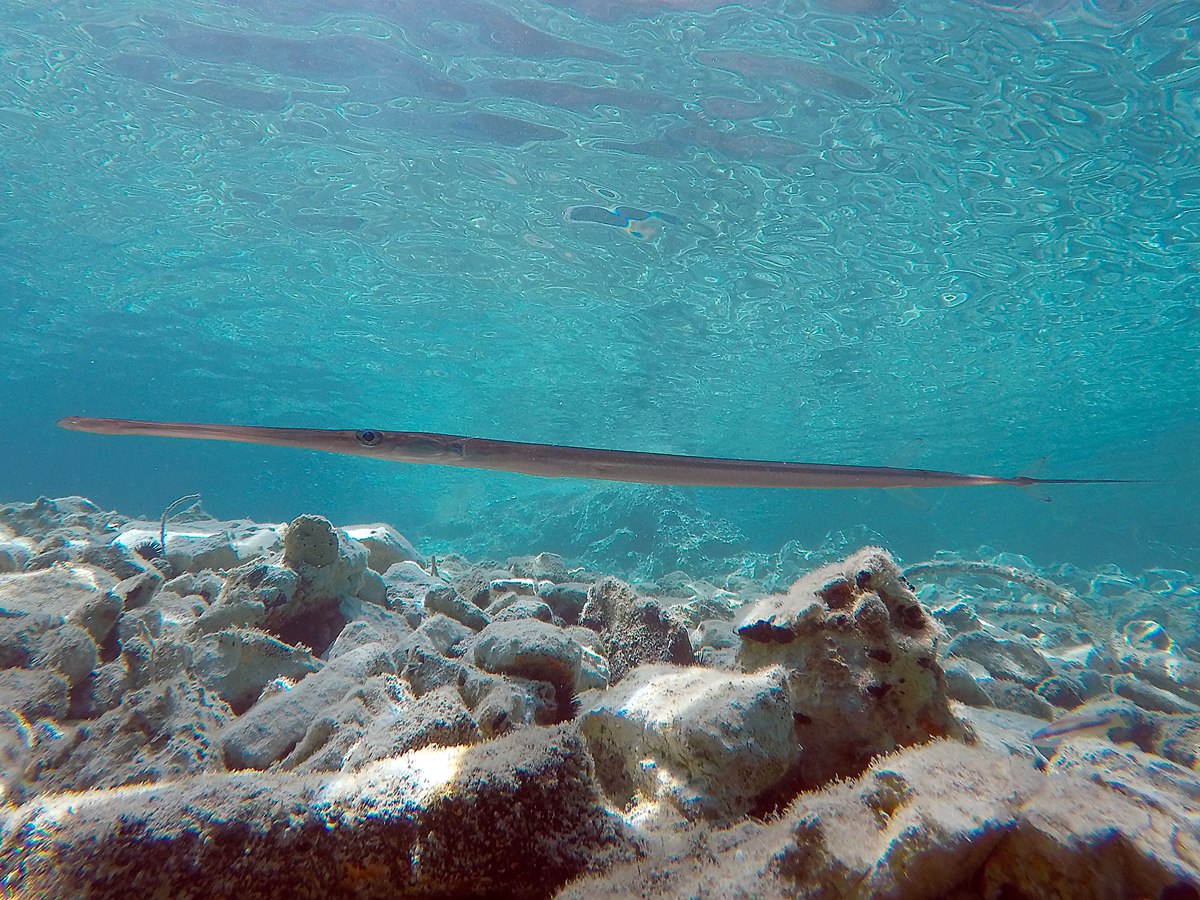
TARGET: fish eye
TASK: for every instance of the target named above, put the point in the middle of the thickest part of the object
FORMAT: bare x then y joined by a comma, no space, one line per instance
368,438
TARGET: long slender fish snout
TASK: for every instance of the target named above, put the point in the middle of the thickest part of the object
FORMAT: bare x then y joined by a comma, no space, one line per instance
80,423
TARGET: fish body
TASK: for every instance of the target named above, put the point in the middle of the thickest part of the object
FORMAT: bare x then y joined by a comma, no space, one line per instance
1121,722
557,461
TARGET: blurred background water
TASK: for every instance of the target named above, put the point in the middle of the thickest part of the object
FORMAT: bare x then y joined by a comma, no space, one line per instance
784,230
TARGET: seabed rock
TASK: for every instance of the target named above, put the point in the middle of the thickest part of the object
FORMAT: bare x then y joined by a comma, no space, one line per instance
269,730
635,629
709,742
532,649
515,817
310,711
940,818
860,653
237,664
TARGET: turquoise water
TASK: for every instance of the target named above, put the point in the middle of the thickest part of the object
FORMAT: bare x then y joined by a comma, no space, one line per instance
807,232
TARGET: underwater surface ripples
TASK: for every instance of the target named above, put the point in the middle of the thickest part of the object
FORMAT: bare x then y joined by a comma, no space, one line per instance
851,226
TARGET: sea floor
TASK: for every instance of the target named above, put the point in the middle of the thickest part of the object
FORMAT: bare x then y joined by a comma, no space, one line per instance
203,708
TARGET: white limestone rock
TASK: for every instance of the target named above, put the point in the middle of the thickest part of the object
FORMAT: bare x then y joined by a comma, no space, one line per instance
438,718
529,648
385,546
543,566
500,588
593,671
1097,797
140,622
206,584
99,692
149,660
207,543
356,634
716,644
1101,821
1007,657
1148,697
716,633
407,586
710,743
246,594
500,704
297,597
34,693
138,590
329,563
860,652
237,664
340,726
76,593
372,589
69,651
565,599
13,555
635,629
707,602
423,667
97,616
904,830
965,679
517,817
445,600
20,638
272,727
524,608
391,626
162,731
1148,651
444,633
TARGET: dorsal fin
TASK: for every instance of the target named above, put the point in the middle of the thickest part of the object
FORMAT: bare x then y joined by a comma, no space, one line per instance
1034,469
906,454
1027,480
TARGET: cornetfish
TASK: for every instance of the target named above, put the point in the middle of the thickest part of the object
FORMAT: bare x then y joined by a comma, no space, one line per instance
554,461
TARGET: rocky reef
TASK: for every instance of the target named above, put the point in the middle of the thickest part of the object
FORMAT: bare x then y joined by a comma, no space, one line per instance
212,709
